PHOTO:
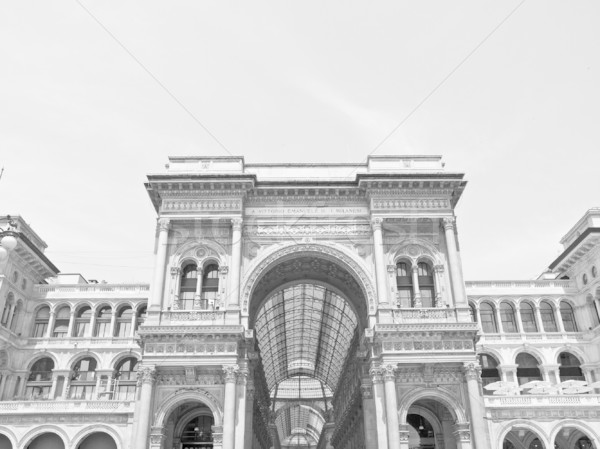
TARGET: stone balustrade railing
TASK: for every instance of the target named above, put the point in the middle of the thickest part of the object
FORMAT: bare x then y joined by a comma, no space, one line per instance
537,284
533,336
59,406
91,290
530,400
82,342
424,315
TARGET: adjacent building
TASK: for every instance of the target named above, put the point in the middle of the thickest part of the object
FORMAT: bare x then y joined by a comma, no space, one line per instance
301,306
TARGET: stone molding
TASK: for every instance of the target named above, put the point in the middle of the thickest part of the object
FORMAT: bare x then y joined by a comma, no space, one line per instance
194,205
425,203
307,230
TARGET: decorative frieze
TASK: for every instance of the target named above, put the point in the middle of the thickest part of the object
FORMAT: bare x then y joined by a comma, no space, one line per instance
307,230
191,347
549,414
427,345
208,205
396,204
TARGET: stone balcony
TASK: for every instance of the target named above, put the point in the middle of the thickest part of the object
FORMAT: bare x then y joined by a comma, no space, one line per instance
547,401
81,342
198,317
65,407
423,315
534,337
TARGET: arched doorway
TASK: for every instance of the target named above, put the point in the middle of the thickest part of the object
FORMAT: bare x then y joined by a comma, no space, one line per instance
308,311
433,423
190,425
98,440
46,441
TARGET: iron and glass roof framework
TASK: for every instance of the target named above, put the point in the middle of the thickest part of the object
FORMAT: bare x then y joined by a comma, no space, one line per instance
304,332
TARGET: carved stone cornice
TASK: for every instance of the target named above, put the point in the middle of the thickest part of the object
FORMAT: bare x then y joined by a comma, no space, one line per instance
420,203
230,373
307,230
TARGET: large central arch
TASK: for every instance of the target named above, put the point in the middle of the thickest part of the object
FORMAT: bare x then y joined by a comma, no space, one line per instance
308,304
343,269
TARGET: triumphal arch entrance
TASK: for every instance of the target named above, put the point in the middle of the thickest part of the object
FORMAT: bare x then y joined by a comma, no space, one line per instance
307,306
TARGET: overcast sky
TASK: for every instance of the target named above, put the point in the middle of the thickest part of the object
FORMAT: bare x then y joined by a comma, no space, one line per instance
83,115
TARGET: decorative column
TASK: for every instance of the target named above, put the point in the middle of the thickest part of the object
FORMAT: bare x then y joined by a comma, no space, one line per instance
176,279
236,261
379,402
146,378
519,319
3,376
51,322
369,414
158,283
133,322
90,332
478,316
508,373
462,435
113,321
249,431
391,406
404,430
157,437
538,317
438,271
478,426
71,323
198,292
382,295
499,319
416,290
559,321
240,424
229,406
217,434
551,373
458,286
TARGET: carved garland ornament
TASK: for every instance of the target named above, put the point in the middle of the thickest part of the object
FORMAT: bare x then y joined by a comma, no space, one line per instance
354,268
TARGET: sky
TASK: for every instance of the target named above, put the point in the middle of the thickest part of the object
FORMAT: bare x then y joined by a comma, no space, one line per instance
94,95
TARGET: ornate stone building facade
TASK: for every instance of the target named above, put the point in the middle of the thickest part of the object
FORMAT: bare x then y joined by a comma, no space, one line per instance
301,306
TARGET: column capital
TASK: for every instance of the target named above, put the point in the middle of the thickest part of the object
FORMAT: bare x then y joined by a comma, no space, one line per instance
242,376
471,371
223,269
366,388
448,223
376,374
175,271
163,224
236,224
389,372
146,375
462,432
391,268
439,269
376,223
230,372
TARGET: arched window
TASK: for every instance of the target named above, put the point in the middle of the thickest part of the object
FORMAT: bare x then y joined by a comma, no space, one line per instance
569,367
527,368
83,379
528,317
141,317
103,322
9,305
426,286
187,289
489,371
210,286
39,382
594,313
536,444
548,319
404,285
488,318
125,380
507,315
123,324
40,326
82,322
16,314
568,318
61,323
584,443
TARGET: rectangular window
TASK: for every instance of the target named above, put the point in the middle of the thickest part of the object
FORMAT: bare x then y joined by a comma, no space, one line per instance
124,329
103,329
548,321
39,331
528,319
405,297
508,321
427,297
488,324
83,392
